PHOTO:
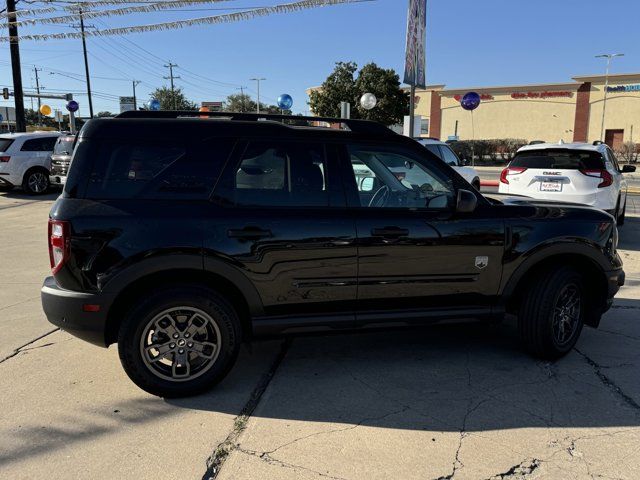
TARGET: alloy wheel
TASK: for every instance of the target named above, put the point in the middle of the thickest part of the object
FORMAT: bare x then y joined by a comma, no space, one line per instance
566,314
180,343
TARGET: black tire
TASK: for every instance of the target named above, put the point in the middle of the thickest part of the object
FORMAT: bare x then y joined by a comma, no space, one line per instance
136,324
35,181
620,219
538,312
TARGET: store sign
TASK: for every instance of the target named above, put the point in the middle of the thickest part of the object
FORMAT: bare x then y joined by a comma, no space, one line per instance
624,88
483,97
126,104
523,95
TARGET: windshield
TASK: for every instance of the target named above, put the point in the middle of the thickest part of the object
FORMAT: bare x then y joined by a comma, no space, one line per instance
561,159
64,146
5,143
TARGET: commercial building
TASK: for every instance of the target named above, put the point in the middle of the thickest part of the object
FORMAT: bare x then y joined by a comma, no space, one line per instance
570,111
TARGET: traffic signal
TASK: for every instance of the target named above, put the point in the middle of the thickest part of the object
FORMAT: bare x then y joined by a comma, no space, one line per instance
5,93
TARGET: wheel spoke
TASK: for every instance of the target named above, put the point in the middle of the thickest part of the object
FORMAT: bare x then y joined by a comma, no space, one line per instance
192,328
180,361
168,330
162,350
199,348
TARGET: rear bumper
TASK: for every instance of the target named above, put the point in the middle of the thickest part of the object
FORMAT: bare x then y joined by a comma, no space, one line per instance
4,180
65,309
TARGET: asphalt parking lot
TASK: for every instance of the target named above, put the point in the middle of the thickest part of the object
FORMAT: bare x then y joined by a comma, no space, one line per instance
455,402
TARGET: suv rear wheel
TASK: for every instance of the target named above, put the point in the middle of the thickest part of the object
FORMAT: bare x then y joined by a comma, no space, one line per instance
552,313
35,181
179,341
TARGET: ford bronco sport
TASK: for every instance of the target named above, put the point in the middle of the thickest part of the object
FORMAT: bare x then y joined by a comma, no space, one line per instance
178,237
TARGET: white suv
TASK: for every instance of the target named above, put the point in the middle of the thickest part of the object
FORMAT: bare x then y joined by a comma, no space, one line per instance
444,153
571,172
25,160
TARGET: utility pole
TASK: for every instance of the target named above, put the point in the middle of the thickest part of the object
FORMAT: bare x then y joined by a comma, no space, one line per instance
36,70
608,56
14,48
135,83
86,63
258,80
171,77
244,100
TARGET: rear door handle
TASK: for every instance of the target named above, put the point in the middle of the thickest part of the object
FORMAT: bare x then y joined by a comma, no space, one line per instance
390,232
249,233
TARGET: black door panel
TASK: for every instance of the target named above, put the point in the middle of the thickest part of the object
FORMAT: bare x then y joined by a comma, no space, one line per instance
439,263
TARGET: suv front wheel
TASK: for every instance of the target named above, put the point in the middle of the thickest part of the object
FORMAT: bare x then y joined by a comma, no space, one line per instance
179,341
552,313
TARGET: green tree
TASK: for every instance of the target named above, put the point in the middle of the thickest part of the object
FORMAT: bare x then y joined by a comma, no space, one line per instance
172,100
244,104
343,85
105,114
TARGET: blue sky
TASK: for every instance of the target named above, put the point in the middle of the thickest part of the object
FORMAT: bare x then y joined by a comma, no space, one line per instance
469,43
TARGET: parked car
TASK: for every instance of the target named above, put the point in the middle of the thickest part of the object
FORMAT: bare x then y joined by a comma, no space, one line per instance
444,152
60,159
178,238
25,160
583,173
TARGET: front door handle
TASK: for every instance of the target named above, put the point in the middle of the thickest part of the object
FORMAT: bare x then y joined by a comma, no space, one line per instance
390,232
249,233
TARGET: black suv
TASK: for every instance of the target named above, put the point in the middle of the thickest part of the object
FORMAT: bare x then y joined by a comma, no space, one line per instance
178,237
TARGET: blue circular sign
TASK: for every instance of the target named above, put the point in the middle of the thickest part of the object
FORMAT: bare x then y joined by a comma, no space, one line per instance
470,101
72,106
285,102
153,104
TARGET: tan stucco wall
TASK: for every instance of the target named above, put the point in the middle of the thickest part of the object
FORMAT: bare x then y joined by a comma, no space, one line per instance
549,119
623,111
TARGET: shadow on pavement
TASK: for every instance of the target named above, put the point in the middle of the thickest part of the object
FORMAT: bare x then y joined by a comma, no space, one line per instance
448,378
18,194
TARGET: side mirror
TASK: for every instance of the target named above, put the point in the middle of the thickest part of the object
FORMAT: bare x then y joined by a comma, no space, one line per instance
628,169
466,201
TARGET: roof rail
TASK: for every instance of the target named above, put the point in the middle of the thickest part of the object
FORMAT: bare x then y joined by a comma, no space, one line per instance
598,142
356,126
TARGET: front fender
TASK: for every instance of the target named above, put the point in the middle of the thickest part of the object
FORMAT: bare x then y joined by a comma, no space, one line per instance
562,249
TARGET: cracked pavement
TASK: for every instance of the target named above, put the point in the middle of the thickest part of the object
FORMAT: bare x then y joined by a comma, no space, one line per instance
449,402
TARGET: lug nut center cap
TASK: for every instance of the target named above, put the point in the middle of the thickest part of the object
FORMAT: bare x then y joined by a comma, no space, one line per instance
182,342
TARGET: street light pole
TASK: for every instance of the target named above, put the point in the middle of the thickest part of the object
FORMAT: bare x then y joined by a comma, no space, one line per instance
258,80
608,56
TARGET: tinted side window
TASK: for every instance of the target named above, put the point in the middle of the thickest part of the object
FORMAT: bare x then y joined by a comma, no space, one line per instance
398,179
39,144
449,157
281,174
156,170
434,149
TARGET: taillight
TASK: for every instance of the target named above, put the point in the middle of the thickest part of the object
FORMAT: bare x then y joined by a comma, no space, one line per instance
605,176
59,238
510,171
5,158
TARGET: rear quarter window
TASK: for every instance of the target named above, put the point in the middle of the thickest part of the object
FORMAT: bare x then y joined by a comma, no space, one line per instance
558,159
153,170
5,143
